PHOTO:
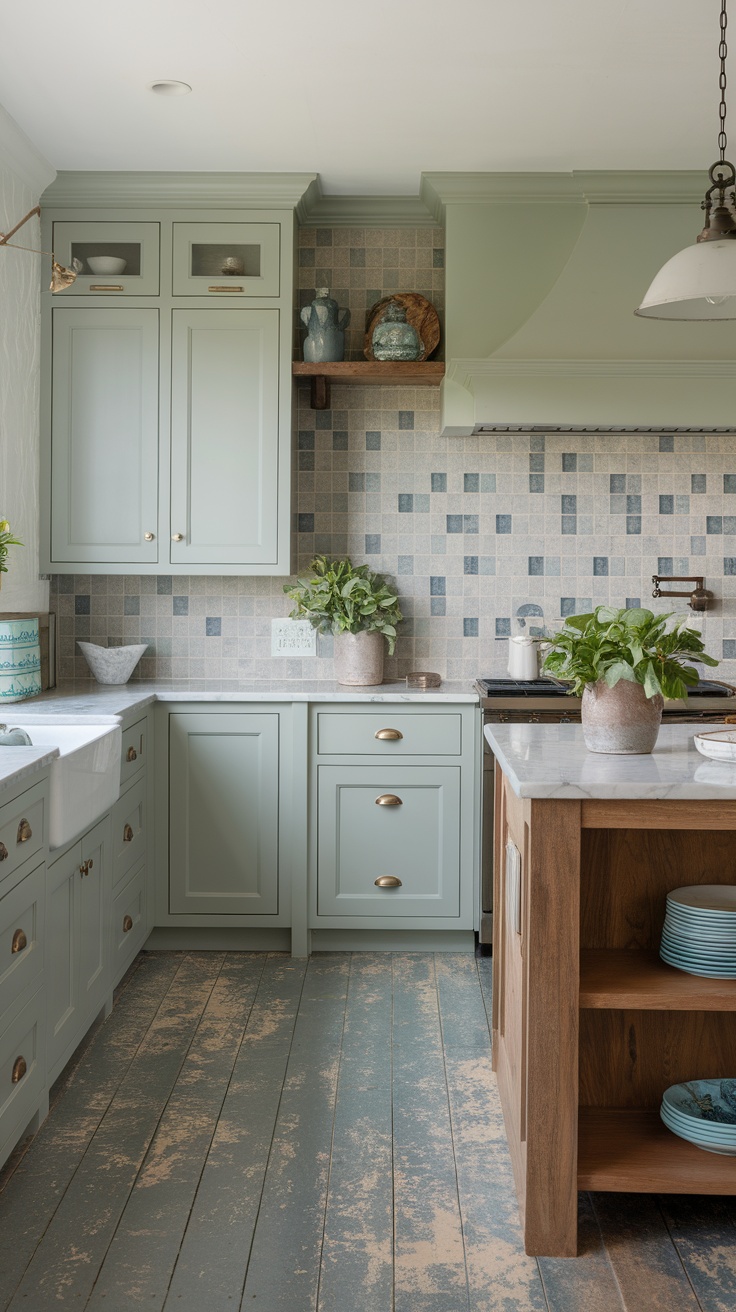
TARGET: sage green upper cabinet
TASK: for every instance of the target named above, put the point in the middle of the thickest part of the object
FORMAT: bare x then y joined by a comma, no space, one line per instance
104,435
226,259
137,244
224,465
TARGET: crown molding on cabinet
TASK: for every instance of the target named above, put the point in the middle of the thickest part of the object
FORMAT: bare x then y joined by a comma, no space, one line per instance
601,187
465,370
20,156
184,190
317,210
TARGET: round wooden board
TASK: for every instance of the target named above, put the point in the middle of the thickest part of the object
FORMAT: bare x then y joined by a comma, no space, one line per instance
420,313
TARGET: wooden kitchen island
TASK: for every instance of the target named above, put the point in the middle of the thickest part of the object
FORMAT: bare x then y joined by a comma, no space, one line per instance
589,1025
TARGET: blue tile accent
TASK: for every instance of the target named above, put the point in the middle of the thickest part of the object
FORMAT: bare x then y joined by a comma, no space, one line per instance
633,525
356,482
714,523
569,504
503,523
454,523
373,482
535,565
65,583
729,523
487,565
503,628
323,419
617,483
305,522
633,603
405,565
373,544
324,236
682,505
488,482
164,586
697,546
373,440
339,440
666,443
585,605
729,482
470,628
323,543
471,482
439,482
729,649
697,482
633,505
438,606
664,565
180,605
600,566
470,565
666,505
131,605
537,444
729,564
438,258
569,524
406,418
406,503
213,626
470,524
536,482
569,462
536,464
567,606
81,603
306,460
421,503
633,482
437,585
306,441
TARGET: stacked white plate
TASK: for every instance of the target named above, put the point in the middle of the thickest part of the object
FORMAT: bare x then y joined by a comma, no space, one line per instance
699,932
704,1113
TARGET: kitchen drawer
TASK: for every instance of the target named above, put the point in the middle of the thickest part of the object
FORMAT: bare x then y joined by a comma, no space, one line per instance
22,829
136,243
427,734
134,751
200,252
129,925
128,830
22,1064
412,835
21,938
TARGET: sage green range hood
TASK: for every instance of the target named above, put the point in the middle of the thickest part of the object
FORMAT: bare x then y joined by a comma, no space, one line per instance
543,275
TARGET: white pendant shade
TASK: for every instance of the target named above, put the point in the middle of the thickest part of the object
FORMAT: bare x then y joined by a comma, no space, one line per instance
697,283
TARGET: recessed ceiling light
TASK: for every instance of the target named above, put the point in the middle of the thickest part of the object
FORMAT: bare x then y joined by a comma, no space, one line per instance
166,87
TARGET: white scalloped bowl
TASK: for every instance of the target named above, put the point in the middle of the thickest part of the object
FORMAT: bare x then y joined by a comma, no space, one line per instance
112,664
719,744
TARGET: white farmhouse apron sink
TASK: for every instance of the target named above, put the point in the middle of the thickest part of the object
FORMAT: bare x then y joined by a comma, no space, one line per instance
84,777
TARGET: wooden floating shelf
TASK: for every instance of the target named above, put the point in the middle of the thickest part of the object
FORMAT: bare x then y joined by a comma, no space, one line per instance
640,981
634,1152
359,373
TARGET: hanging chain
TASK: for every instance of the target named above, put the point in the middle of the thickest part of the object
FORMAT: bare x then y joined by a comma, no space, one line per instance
722,52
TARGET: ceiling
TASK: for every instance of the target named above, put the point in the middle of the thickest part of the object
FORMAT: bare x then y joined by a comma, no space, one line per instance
367,95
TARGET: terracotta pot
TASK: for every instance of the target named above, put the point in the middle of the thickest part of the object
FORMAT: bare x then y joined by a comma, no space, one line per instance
621,721
359,658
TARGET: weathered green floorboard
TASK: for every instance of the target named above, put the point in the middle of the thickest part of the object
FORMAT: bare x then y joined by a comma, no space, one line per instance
463,1015
429,1256
41,1178
357,1253
141,1258
287,1245
703,1231
647,1267
214,1253
585,1283
65,1265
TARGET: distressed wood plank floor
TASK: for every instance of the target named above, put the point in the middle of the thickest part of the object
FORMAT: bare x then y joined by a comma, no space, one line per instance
248,1131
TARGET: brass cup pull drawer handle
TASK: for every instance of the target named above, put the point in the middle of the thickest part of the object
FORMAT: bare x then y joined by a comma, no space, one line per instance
236,288
127,924
24,831
389,735
132,754
3,852
106,287
389,799
19,943
387,881
19,1070
128,834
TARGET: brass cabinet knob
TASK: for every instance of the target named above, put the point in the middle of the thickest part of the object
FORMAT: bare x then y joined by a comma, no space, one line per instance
24,831
128,834
148,537
127,924
131,754
389,735
3,852
387,881
19,1070
19,943
177,537
389,799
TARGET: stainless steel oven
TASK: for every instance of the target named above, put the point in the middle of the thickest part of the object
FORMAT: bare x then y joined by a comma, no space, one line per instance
543,701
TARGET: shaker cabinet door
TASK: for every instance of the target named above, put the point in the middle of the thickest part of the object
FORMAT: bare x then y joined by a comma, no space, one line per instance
224,452
104,447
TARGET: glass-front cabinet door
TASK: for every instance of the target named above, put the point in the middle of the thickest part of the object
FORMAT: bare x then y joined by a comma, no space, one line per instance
110,259
226,259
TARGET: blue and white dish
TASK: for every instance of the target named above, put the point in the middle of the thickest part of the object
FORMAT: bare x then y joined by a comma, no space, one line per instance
704,1113
699,931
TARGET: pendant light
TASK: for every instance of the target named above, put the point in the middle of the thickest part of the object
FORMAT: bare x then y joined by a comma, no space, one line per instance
700,282
61,277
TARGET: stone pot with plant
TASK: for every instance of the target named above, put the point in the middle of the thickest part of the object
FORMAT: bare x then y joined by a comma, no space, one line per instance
358,607
6,540
624,663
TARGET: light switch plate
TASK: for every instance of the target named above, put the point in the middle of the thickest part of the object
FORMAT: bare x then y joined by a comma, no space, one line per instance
293,638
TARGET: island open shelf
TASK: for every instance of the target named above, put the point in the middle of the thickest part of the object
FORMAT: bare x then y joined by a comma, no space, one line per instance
634,1152
630,980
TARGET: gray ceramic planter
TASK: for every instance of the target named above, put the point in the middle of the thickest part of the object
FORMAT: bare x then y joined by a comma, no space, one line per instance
359,658
620,721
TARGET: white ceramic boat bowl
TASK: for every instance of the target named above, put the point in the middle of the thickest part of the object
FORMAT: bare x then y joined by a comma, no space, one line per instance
719,744
106,263
112,664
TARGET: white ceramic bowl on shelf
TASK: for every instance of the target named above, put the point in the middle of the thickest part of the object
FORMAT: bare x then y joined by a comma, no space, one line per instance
106,263
719,744
112,664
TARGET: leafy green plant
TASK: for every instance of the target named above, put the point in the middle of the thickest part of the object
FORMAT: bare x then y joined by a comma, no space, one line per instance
635,645
346,598
6,540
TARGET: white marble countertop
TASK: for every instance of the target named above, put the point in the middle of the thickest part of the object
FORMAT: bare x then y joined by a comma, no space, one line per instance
16,763
551,760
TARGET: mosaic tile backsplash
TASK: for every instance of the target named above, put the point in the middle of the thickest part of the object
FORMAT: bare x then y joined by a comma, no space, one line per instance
480,535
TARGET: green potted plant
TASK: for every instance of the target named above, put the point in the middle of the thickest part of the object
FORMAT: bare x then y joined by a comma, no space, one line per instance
358,607
624,663
6,540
